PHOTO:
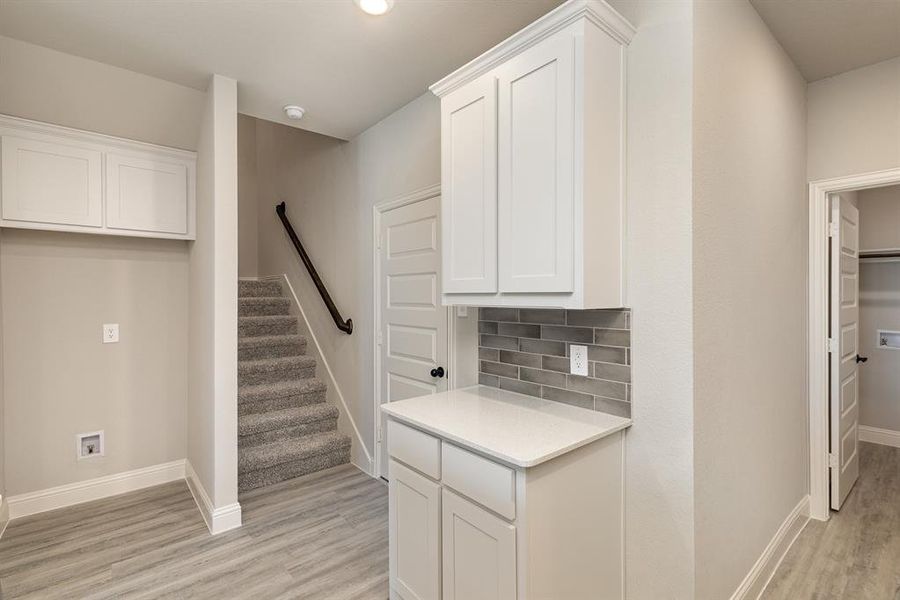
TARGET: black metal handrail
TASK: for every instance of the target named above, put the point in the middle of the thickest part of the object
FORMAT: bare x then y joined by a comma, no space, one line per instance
345,326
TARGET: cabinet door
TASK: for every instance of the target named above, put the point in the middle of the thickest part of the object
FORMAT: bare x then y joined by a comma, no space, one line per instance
53,183
536,172
479,552
145,194
414,515
469,187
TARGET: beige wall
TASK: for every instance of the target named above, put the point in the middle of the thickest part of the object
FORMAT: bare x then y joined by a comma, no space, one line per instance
46,85
212,384
58,289
248,221
854,122
879,304
659,533
750,224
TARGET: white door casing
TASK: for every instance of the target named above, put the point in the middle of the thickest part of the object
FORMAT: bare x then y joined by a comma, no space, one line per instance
844,396
412,326
536,176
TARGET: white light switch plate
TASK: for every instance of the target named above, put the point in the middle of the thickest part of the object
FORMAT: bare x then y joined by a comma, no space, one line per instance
578,362
110,333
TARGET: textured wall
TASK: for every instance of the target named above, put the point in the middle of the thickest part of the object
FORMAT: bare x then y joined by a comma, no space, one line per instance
526,350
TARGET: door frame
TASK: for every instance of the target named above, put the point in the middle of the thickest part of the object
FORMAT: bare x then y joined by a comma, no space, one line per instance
817,326
378,211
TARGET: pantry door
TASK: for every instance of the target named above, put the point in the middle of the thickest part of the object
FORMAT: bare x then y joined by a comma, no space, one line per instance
845,358
411,333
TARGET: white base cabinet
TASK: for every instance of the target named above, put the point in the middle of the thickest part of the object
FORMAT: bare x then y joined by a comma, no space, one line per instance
61,179
478,529
532,165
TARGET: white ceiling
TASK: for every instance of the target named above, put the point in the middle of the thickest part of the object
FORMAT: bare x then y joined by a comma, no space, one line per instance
348,69
827,37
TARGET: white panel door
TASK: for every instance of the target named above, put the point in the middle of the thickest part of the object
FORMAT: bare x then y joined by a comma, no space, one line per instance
845,357
52,183
536,172
412,322
145,194
479,552
469,187
414,516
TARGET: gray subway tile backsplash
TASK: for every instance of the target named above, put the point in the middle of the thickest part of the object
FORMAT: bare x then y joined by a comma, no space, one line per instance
525,350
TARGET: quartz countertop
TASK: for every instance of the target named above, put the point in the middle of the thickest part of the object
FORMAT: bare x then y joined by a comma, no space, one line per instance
516,429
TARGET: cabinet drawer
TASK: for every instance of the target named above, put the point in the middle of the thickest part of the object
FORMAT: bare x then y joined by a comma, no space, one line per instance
490,484
415,448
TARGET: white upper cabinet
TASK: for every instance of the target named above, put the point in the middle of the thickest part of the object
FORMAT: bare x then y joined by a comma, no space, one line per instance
62,179
51,182
469,174
553,224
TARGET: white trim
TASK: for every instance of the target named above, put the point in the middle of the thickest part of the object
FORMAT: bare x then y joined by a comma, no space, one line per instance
4,515
62,496
876,435
378,210
759,576
817,327
598,12
218,520
360,452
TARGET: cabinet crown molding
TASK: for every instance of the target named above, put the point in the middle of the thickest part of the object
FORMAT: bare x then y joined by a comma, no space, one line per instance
597,12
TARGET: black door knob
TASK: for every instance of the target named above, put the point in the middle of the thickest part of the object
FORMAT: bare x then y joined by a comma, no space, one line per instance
861,359
439,372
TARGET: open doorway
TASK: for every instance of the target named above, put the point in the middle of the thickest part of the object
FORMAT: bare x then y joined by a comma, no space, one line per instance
854,320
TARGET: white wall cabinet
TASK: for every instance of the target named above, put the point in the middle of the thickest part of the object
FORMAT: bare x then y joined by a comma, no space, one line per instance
61,179
558,235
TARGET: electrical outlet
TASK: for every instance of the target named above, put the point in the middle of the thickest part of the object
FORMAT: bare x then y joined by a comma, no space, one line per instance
110,333
578,361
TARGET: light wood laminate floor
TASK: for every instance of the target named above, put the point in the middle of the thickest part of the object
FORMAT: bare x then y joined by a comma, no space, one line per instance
320,536
856,554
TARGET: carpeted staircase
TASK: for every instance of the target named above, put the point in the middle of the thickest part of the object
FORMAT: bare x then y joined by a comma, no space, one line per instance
285,427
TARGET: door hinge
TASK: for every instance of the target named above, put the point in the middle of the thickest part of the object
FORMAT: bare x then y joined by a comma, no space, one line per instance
379,338
831,344
832,229
833,460
378,242
378,434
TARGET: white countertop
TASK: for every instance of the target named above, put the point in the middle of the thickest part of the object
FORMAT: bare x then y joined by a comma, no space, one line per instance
520,430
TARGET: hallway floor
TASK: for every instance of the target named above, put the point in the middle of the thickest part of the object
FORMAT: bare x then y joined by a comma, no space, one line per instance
319,536
856,554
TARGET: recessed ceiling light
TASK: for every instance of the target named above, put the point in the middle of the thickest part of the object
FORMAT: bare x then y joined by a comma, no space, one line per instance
375,7
294,112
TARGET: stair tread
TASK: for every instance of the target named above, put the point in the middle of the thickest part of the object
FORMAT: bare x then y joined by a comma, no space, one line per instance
278,389
278,419
256,341
276,361
276,453
267,318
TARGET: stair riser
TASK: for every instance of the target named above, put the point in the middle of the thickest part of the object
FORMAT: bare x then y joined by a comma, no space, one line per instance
256,329
270,404
263,309
276,435
261,477
255,377
255,289
272,351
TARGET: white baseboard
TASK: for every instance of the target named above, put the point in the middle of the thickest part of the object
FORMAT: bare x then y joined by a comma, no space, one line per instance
359,456
761,573
4,515
886,437
32,503
218,520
